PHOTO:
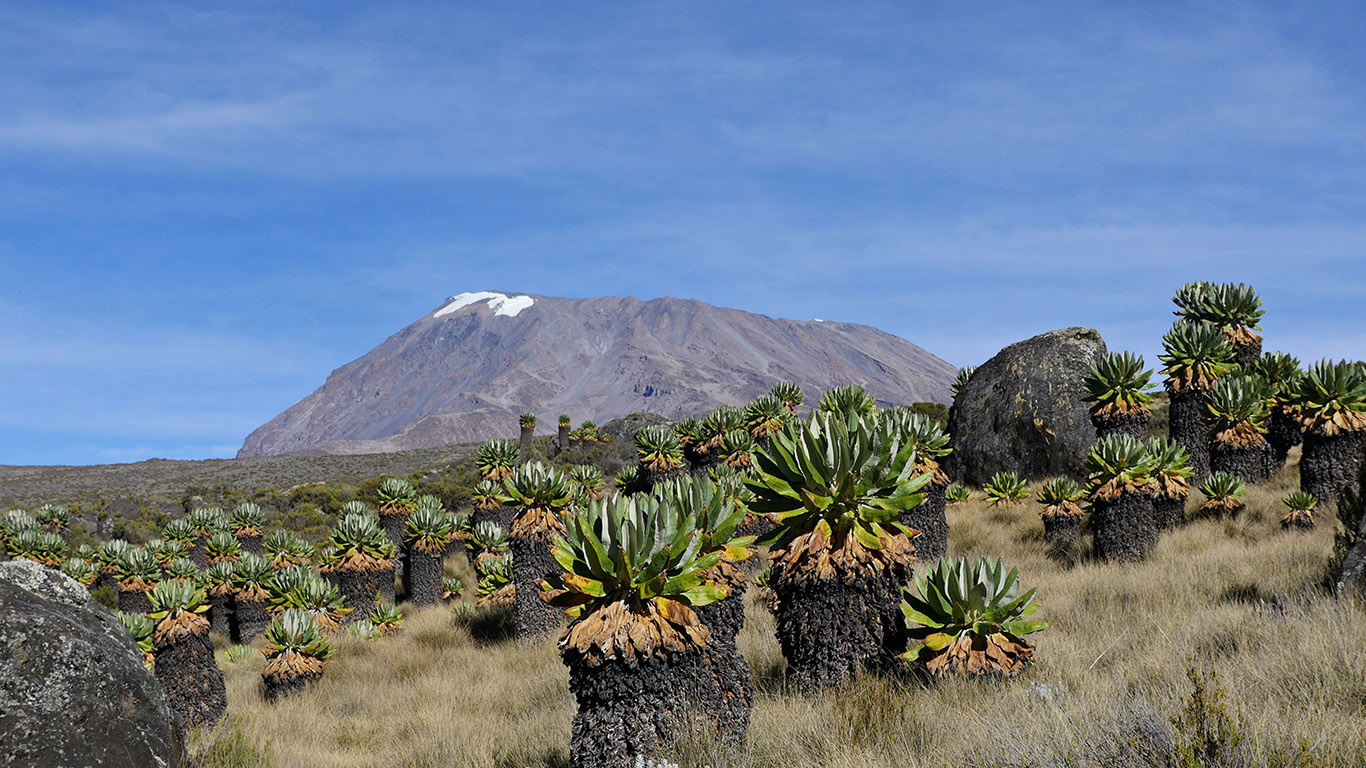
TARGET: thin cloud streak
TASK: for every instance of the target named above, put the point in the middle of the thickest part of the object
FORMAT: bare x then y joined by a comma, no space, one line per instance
205,212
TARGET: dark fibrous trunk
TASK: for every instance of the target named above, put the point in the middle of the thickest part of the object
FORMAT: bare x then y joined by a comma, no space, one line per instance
358,589
534,618
193,682
250,543
278,687
653,477
754,525
1062,534
629,709
1330,464
1122,423
197,554
459,546
424,577
1169,513
830,629
132,601
700,463
386,583
1247,352
930,520
727,682
501,514
1123,529
252,618
1186,409
1283,432
393,525
524,446
562,439
1248,464
221,609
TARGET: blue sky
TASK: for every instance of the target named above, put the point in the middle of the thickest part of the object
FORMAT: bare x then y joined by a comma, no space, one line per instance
205,209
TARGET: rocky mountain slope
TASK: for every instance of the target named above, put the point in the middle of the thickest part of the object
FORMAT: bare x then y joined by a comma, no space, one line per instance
464,372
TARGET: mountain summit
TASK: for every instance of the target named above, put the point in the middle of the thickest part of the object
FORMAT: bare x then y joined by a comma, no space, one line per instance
463,372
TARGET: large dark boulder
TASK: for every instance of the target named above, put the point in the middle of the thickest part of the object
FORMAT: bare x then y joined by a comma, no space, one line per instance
73,690
1022,410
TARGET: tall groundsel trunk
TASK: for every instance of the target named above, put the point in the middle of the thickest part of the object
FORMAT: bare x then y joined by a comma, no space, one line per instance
1247,346
106,577
528,434
393,518
133,596
222,606
185,667
1062,533
1122,525
1116,421
930,518
635,700
1185,425
252,613
1330,463
197,554
531,562
359,582
1246,460
502,514
1169,511
630,708
1284,430
424,568
832,627
726,682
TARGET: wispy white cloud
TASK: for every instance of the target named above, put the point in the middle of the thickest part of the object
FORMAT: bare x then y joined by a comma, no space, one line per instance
292,187
983,93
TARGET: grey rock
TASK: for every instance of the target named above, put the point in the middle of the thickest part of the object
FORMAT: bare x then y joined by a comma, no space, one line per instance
623,430
121,507
465,375
1023,411
73,690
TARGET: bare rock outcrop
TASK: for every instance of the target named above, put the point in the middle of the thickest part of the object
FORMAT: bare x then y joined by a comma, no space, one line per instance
1022,410
73,690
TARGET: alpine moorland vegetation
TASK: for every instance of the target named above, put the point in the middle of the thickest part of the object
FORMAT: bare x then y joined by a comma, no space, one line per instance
1222,598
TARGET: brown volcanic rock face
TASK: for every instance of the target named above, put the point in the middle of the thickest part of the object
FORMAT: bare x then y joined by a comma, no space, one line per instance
464,372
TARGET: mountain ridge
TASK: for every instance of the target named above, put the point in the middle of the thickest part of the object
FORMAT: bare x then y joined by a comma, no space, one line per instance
462,372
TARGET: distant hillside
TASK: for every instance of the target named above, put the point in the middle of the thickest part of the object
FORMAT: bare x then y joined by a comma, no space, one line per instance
463,372
27,486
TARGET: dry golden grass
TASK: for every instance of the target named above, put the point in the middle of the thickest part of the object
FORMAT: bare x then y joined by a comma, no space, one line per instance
1237,597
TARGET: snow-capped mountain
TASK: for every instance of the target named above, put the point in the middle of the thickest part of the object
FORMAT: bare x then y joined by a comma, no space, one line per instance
463,372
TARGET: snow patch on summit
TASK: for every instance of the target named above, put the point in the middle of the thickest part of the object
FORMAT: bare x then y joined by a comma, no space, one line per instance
501,304
514,305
